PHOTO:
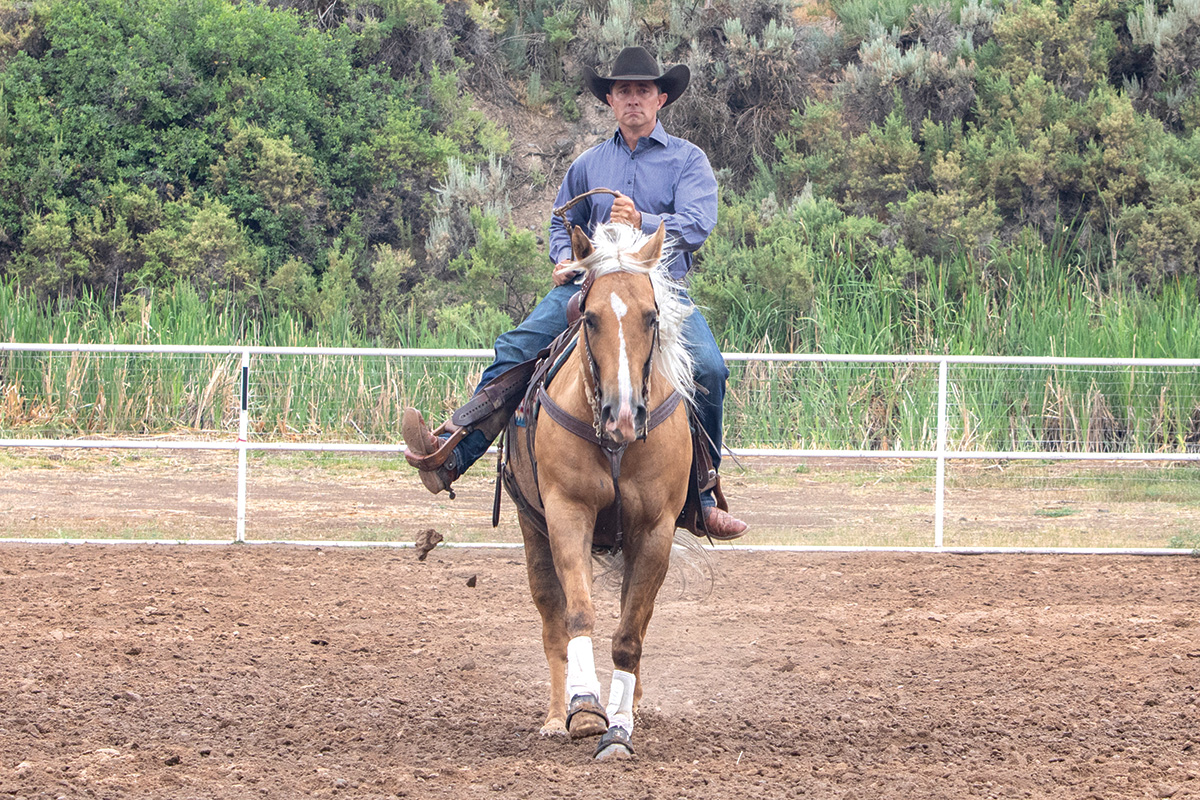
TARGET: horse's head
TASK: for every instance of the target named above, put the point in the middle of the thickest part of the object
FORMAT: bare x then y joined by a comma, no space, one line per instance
621,320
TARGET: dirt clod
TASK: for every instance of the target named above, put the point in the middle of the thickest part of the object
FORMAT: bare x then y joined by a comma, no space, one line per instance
426,541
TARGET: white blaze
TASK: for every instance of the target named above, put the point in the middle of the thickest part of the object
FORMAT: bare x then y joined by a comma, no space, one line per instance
624,382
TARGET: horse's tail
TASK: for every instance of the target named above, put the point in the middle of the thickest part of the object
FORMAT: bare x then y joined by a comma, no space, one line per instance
692,575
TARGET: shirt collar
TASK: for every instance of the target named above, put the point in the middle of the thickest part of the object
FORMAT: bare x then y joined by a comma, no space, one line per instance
659,134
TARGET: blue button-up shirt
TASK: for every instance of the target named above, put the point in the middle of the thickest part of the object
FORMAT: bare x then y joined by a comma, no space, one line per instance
669,179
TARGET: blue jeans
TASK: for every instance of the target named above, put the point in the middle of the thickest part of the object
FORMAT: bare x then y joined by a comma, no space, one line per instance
549,319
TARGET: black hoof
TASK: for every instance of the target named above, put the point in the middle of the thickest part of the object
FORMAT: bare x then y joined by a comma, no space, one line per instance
616,742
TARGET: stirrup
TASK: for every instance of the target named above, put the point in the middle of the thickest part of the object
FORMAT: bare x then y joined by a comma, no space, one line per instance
437,458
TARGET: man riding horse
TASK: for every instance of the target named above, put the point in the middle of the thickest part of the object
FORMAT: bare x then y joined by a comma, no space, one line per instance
656,178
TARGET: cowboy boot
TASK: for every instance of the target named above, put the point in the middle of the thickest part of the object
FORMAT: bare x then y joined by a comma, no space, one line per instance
723,525
430,454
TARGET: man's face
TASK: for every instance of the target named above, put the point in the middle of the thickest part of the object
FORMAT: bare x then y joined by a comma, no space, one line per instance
636,103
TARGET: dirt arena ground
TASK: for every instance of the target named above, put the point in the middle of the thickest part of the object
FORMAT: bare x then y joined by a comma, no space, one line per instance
247,671
85,494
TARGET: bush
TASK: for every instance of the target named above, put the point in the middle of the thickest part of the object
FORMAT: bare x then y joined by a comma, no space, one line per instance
814,151
750,65
755,277
293,290
1172,40
884,164
504,270
1067,46
952,219
48,263
239,130
931,78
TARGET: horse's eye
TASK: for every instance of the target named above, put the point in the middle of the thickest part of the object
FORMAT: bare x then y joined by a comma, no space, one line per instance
590,321
651,319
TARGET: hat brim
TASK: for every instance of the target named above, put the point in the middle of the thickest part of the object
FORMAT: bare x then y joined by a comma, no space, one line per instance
673,82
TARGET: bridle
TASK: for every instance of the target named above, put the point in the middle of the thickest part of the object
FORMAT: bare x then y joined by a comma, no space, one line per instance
595,432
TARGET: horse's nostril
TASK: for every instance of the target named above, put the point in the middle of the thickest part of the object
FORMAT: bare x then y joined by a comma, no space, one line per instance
606,413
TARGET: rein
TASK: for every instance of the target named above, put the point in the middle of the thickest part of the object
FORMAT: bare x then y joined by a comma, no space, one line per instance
561,211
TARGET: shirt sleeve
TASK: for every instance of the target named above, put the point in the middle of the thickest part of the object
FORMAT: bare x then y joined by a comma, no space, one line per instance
695,213
560,236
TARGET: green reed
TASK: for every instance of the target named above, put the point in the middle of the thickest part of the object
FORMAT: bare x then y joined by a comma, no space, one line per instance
291,397
1043,305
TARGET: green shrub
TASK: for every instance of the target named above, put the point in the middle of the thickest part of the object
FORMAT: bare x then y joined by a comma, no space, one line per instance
952,219
755,277
814,151
246,132
49,264
884,164
932,78
1069,46
1172,37
292,289
860,18
504,270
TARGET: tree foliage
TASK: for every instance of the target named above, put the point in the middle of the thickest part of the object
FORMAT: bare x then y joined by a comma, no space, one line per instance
331,160
143,143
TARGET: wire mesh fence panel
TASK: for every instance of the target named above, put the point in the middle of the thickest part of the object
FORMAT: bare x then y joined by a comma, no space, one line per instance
352,398
57,394
1031,455
831,405
817,404
1067,408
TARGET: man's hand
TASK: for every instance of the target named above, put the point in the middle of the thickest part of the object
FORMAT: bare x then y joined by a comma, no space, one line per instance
623,210
565,271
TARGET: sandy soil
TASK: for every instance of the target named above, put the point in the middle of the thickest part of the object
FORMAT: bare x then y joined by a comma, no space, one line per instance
159,671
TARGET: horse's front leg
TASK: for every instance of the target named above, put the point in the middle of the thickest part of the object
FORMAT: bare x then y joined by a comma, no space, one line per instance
646,561
551,605
570,527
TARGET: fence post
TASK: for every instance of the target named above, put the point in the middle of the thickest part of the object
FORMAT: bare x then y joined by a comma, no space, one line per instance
243,430
939,503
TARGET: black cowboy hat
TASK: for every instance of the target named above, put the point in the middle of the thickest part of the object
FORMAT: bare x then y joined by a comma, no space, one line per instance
636,64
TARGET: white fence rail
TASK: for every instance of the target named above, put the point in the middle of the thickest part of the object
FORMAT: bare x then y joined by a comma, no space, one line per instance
896,424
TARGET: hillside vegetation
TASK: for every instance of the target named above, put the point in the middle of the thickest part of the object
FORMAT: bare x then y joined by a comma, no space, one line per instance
981,176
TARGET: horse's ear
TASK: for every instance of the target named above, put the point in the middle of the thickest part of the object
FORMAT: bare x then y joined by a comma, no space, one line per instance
581,245
651,251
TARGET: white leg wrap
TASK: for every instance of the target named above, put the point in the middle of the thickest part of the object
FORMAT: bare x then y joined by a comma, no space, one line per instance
581,668
620,700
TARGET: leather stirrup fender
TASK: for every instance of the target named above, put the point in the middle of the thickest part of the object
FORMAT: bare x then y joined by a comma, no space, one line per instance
499,394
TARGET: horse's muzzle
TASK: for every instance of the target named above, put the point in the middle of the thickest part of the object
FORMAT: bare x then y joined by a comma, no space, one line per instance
625,424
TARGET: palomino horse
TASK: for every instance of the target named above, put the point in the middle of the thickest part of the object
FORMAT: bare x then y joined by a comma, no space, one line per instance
628,449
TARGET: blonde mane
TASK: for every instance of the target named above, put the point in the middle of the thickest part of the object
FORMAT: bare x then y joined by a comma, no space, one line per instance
616,248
